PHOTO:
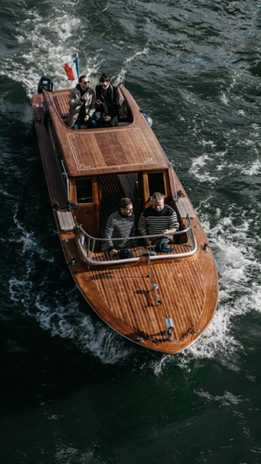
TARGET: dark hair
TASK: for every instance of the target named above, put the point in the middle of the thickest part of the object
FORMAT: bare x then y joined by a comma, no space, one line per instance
82,77
124,202
104,78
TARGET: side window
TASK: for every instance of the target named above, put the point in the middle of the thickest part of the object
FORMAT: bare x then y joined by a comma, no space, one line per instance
156,182
84,191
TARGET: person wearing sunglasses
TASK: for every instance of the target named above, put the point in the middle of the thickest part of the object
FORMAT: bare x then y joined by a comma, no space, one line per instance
82,105
107,103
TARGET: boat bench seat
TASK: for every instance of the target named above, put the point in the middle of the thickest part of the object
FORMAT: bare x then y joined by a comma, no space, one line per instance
123,112
61,104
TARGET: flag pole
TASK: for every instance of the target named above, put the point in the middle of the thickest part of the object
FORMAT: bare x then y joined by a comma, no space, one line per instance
72,69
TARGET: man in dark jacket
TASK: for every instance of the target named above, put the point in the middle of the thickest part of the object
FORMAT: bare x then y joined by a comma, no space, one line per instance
82,105
107,103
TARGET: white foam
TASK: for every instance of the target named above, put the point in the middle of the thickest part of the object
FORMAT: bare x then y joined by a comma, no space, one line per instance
198,169
227,399
68,322
254,169
121,75
42,47
28,241
69,454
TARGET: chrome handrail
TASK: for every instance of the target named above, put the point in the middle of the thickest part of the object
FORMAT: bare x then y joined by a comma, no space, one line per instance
85,242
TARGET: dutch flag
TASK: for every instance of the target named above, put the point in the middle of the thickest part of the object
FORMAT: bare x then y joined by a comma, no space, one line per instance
72,69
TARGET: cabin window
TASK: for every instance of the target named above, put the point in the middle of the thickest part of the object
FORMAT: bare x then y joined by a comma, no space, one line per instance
156,182
84,191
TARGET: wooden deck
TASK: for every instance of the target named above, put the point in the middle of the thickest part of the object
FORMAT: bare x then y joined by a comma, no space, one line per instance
133,300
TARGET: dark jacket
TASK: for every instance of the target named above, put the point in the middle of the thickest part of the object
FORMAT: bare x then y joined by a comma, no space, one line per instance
110,99
75,104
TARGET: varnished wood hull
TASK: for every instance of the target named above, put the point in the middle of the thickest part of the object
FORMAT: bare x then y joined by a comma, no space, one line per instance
123,293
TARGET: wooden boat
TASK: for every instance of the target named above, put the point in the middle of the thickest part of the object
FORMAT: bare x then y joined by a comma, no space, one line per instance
163,302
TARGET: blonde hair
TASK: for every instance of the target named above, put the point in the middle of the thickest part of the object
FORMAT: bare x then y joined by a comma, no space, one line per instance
157,196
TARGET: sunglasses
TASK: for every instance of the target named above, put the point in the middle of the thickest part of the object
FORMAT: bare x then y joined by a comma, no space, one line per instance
85,82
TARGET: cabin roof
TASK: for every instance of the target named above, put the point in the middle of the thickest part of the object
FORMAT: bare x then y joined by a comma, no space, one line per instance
128,148
120,150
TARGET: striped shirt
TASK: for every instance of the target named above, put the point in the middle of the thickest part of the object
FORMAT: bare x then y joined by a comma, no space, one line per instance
153,222
119,226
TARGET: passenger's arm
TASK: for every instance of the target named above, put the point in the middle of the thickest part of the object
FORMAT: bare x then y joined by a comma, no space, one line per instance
74,101
142,229
108,235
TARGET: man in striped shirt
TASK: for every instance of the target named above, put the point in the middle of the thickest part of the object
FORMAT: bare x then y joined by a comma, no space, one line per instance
120,225
158,219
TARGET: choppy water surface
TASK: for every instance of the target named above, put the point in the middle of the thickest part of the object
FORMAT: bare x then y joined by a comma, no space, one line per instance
72,390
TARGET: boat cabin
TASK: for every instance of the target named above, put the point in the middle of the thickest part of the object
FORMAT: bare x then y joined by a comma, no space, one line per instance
97,197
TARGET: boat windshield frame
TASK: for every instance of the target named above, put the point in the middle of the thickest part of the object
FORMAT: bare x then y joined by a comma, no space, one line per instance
87,243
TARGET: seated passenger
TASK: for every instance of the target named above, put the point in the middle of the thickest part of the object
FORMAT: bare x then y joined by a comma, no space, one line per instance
82,105
158,219
107,103
120,224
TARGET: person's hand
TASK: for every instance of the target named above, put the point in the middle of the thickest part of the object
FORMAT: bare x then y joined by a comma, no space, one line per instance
84,97
98,102
87,117
113,252
107,118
